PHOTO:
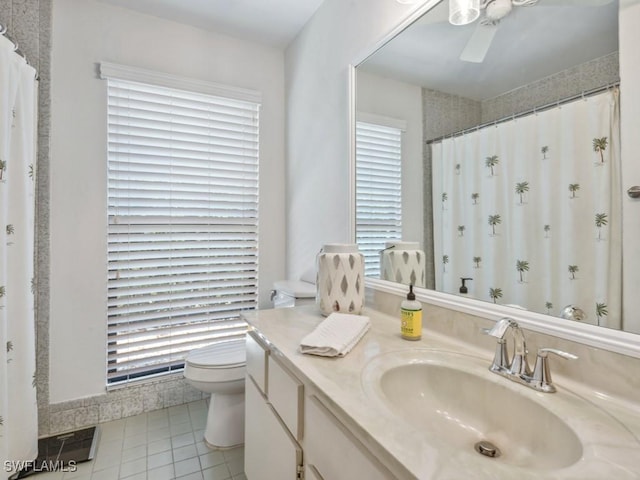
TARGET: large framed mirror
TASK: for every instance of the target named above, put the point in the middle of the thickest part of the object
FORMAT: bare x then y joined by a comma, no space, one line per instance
488,159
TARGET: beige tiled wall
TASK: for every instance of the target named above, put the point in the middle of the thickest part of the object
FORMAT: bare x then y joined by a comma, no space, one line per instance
445,114
587,76
120,403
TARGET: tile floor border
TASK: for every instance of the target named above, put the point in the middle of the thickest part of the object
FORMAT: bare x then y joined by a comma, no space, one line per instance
121,403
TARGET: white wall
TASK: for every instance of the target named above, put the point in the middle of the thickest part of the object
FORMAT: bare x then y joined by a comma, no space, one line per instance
318,140
85,33
401,101
630,146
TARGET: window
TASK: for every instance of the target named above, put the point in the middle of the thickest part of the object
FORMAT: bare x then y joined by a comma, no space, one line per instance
182,221
378,190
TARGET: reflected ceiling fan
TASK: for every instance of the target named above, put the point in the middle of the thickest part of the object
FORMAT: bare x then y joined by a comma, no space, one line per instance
493,11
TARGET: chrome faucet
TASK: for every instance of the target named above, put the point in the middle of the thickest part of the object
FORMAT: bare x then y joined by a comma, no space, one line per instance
518,364
517,369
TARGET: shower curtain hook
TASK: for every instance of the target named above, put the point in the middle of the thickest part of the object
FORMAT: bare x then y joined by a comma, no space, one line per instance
3,29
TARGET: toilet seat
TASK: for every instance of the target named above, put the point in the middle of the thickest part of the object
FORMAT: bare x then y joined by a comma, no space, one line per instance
226,355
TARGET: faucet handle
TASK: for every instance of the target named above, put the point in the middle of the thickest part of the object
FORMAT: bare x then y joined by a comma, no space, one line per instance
542,352
500,327
541,378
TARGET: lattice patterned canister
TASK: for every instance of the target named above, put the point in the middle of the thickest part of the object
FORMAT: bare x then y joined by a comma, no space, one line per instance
403,262
340,282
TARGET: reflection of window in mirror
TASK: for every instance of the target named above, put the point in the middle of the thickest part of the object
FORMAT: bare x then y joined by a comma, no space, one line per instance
378,188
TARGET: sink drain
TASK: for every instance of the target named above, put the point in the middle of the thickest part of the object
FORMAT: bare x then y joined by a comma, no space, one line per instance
486,448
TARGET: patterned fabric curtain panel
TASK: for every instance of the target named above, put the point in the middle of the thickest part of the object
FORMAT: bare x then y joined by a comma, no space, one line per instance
530,209
18,120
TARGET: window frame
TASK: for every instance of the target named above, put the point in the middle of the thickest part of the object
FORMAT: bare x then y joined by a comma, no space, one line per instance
119,73
387,226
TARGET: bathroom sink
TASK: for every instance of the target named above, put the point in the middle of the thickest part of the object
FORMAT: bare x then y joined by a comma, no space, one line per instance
454,402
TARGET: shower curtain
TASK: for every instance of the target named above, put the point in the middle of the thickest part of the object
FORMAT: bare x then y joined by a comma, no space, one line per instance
18,407
531,210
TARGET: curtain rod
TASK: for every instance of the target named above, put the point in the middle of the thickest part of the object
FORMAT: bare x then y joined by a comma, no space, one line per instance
3,32
586,93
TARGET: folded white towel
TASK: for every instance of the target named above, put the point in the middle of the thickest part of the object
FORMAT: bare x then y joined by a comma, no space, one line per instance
336,335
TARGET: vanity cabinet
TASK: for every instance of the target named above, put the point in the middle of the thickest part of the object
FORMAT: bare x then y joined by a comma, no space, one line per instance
291,434
273,413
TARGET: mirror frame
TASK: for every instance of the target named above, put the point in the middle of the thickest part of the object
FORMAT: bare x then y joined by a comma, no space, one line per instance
616,341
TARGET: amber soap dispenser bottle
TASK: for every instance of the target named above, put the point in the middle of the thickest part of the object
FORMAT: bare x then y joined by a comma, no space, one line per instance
411,317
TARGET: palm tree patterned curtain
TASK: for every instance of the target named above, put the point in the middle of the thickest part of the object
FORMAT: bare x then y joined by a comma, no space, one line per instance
531,210
18,407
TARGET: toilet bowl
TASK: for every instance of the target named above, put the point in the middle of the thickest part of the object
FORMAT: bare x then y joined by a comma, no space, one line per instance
219,369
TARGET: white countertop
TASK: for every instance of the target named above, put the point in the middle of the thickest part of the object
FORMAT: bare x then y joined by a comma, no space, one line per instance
411,453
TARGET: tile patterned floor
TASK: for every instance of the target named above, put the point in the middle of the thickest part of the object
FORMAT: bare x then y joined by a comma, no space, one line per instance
161,445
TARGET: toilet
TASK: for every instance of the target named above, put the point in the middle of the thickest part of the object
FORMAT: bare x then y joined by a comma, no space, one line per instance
293,293
219,369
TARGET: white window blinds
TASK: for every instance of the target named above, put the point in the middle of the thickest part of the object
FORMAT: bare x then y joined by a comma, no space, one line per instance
183,223
378,190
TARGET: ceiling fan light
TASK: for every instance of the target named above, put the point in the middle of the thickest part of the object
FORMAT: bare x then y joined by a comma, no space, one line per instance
463,12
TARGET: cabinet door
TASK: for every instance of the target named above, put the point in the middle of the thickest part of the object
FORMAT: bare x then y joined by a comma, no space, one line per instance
270,453
286,394
257,363
335,452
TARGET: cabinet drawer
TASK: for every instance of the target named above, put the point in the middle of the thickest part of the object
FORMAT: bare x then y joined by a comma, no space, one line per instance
286,394
335,452
257,363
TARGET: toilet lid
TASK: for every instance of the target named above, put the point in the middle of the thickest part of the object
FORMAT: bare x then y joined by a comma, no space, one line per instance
219,355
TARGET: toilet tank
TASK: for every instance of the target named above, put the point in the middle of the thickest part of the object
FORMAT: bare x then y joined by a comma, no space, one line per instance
293,293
